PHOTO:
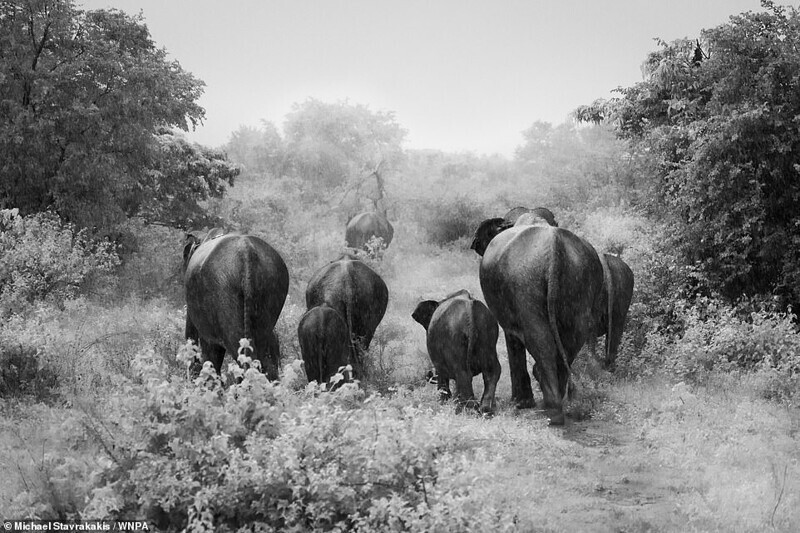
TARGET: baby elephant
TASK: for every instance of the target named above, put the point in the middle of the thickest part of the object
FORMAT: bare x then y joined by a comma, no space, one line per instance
462,343
324,342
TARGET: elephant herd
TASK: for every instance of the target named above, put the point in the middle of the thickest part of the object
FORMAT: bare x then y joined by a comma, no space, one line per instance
548,289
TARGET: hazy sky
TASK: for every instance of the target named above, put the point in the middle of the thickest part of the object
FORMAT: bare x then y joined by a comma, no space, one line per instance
459,74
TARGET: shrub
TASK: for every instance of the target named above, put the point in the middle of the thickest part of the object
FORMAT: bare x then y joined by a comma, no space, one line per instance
717,336
89,347
43,258
152,261
447,220
23,372
192,456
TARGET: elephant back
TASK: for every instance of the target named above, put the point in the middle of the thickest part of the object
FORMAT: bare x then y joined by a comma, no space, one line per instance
543,213
352,288
524,266
363,226
217,268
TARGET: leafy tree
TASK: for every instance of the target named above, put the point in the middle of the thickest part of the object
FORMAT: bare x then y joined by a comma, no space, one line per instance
258,150
84,97
334,144
569,165
720,115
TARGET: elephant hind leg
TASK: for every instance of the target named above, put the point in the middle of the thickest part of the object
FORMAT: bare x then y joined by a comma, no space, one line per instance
552,376
211,352
521,391
443,386
491,376
464,393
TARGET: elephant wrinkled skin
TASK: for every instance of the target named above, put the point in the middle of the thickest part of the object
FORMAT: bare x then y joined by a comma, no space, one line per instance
324,342
236,286
363,226
359,294
545,287
462,343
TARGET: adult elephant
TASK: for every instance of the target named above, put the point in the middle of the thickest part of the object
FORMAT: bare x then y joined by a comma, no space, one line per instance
359,294
461,336
324,342
236,286
618,278
545,286
364,226
541,212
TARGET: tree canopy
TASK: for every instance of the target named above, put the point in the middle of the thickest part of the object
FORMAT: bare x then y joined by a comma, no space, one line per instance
721,116
331,143
86,103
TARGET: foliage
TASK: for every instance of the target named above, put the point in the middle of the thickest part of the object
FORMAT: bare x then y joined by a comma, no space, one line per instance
24,373
190,456
181,174
447,220
43,258
717,115
331,144
717,336
572,166
258,151
152,264
87,98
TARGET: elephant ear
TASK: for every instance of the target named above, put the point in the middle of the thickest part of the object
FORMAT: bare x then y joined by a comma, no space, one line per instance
424,312
192,243
488,230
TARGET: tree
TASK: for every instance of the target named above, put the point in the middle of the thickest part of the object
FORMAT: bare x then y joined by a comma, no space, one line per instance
575,165
258,150
723,126
333,144
84,97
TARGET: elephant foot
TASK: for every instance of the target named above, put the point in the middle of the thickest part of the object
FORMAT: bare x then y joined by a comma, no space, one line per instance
486,410
558,419
526,403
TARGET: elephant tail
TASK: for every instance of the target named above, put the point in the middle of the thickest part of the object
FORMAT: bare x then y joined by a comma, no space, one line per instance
609,283
248,302
349,301
552,305
471,359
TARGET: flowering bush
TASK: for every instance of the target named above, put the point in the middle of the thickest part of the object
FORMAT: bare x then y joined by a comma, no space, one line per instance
198,456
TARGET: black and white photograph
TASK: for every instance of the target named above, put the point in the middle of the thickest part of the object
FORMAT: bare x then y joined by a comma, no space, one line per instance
429,266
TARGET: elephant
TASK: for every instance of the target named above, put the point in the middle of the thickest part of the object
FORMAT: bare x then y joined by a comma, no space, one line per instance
363,226
545,287
359,294
324,342
236,286
462,343
619,285
541,212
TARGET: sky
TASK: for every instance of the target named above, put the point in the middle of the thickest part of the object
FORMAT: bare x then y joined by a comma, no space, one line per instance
459,75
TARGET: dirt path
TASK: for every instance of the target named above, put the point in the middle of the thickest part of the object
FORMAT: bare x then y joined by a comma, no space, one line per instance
666,460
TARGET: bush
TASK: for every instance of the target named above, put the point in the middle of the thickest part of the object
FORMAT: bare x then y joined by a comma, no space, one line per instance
45,259
23,372
448,220
89,347
192,456
719,337
152,261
